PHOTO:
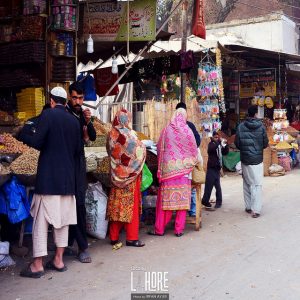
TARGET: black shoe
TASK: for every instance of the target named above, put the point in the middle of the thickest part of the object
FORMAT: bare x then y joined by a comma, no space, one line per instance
218,205
248,210
255,215
206,204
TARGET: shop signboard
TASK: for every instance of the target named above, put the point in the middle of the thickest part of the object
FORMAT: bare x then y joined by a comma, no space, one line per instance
107,20
252,81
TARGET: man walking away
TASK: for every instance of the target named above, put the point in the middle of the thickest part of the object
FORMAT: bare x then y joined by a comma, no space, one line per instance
87,132
251,139
216,149
57,136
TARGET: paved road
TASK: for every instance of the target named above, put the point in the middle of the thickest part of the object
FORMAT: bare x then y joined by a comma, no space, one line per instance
233,256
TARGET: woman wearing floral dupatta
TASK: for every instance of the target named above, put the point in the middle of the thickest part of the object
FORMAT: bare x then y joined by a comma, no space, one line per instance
177,155
127,158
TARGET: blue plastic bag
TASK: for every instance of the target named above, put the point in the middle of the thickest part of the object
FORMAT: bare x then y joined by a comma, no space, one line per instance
18,207
89,87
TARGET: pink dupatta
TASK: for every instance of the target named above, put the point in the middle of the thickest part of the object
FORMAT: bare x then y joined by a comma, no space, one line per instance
177,148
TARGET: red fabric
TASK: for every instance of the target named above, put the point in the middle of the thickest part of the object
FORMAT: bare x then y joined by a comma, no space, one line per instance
104,80
132,229
198,25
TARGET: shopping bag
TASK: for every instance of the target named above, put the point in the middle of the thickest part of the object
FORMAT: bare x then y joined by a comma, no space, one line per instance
147,178
198,174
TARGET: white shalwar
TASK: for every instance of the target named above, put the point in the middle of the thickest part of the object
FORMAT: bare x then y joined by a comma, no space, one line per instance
252,185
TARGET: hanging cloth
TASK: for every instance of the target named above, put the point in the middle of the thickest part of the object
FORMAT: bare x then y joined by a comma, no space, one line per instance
198,25
104,80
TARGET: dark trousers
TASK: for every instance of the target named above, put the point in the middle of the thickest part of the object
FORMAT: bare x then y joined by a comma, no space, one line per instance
78,232
212,180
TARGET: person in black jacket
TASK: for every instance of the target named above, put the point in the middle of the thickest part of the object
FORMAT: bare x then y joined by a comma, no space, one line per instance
251,139
57,138
87,132
216,148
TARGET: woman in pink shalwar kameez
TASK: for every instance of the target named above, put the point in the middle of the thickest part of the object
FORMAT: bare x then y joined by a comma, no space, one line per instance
177,155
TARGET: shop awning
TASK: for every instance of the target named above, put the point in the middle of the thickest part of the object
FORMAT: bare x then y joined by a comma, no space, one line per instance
171,47
273,57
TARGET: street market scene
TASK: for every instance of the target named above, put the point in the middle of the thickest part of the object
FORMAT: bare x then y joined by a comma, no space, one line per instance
149,149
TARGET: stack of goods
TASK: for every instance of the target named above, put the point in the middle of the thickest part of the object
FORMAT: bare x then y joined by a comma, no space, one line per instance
280,119
23,53
32,28
63,70
31,101
26,164
64,14
34,7
63,45
9,145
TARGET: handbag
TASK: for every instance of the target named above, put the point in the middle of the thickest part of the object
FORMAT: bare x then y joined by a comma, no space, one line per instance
198,174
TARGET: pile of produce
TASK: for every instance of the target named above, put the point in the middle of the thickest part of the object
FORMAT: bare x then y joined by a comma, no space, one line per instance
283,146
11,145
26,164
99,142
101,127
104,165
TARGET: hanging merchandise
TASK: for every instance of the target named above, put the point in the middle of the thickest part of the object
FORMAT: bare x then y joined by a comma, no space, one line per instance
211,93
187,61
88,83
198,25
269,102
220,80
104,80
261,101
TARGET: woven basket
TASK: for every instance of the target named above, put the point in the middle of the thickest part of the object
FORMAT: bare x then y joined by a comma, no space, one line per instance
267,160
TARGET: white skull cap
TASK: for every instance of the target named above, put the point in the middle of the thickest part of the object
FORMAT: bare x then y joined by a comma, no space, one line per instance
58,91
